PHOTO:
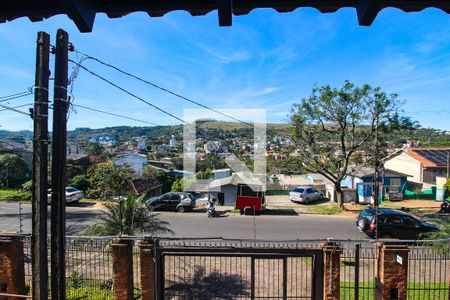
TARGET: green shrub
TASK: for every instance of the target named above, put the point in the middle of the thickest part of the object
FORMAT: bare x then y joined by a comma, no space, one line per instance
27,186
91,293
80,182
14,195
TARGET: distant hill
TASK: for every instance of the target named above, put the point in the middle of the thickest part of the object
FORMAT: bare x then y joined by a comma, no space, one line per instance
213,129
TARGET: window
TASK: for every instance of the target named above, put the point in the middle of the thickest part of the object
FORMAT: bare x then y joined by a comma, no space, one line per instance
395,220
174,197
408,221
395,182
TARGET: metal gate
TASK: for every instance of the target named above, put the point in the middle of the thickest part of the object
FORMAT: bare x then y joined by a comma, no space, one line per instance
238,273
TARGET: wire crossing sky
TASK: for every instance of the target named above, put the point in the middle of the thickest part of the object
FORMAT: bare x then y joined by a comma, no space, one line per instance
265,60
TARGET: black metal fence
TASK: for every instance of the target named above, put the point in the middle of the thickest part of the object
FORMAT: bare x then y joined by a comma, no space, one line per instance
238,270
251,269
88,267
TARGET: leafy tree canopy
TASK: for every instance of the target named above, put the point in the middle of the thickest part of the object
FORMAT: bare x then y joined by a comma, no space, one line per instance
13,170
107,180
332,124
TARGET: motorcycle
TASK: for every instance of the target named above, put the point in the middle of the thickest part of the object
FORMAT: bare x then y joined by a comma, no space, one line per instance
211,208
445,206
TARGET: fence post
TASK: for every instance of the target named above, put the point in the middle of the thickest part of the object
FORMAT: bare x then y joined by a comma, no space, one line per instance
147,265
122,258
12,268
391,272
331,271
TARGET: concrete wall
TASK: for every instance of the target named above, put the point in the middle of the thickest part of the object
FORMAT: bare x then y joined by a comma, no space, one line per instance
404,163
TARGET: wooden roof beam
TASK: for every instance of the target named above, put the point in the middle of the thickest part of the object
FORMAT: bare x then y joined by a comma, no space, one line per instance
368,10
225,12
81,13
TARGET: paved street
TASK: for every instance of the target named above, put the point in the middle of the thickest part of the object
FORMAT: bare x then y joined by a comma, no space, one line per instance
198,225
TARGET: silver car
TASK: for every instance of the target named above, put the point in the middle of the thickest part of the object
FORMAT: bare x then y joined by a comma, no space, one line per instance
73,195
305,194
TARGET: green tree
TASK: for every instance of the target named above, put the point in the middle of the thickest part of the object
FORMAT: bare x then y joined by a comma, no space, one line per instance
180,184
13,170
160,176
108,180
94,149
128,216
203,174
332,124
80,182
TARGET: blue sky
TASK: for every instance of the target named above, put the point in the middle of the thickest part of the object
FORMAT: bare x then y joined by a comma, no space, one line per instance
265,60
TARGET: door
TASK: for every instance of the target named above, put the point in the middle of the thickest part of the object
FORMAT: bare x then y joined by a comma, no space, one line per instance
221,198
174,200
163,201
411,228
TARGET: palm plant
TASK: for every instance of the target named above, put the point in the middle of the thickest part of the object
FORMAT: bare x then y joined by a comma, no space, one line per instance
129,216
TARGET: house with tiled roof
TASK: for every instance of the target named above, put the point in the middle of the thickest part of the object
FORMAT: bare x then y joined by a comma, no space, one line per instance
422,164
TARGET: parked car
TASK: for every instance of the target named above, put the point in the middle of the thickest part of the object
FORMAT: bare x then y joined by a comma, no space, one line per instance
392,223
73,195
305,194
177,201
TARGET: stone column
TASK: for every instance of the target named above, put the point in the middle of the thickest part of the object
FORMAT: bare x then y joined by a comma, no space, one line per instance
331,270
122,258
147,270
12,268
391,272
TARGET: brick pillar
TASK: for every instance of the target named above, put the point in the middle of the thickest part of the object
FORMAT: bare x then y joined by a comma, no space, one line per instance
122,257
147,270
12,269
331,270
391,272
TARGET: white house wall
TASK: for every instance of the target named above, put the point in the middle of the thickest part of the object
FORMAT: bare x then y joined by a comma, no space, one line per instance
404,163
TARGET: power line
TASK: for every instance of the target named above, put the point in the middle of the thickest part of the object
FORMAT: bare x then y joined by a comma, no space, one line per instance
127,92
15,96
15,110
113,114
27,104
162,88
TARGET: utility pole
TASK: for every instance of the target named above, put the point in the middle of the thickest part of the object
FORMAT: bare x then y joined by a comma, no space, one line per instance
39,252
59,140
376,191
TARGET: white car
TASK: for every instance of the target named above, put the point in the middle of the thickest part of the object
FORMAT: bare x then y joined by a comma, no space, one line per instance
73,195
305,194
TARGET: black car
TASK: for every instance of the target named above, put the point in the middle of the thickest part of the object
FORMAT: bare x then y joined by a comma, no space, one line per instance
176,201
392,223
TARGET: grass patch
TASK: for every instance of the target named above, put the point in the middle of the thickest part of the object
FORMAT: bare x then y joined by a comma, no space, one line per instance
14,195
331,209
416,291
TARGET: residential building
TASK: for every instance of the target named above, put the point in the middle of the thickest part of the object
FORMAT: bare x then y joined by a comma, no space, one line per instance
225,190
361,180
220,173
422,164
210,147
141,145
173,142
135,161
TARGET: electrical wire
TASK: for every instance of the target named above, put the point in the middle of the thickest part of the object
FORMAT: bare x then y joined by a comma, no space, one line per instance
127,92
15,96
160,87
23,105
15,110
113,114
